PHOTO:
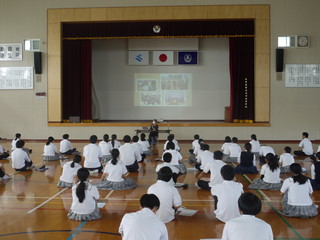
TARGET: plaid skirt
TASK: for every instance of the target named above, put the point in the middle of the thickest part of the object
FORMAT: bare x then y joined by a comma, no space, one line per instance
182,168
63,184
85,217
51,158
230,159
127,183
285,169
106,158
260,184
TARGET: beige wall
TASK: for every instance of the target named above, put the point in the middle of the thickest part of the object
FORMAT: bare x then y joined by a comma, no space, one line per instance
292,110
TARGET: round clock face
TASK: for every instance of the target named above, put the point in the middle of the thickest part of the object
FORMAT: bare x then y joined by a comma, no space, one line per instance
303,41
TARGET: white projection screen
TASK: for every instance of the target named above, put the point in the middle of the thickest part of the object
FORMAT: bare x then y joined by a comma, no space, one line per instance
176,92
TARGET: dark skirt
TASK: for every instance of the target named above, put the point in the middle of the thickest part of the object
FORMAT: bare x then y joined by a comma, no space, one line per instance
127,183
246,170
260,184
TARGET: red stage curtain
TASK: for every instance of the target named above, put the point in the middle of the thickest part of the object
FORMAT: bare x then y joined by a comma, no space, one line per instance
241,57
77,79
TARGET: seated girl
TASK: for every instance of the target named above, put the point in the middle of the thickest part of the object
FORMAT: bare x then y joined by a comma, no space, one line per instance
69,172
50,151
247,161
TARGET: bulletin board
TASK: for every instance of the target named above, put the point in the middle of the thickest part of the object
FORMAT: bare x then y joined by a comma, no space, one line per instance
302,75
16,77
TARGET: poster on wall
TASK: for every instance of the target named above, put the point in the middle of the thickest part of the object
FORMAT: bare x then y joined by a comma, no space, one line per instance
11,52
16,77
302,75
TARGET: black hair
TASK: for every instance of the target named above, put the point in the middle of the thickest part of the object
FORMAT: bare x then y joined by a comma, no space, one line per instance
106,137
227,172
170,138
287,149
218,155
83,175
227,139
170,145
50,140
254,137
143,137
113,138
149,201
305,134
127,139
296,170
318,155
135,138
18,135
65,136
115,154
248,147
272,161
165,174
167,157
20,144
234,139
196,136
205,147
93,139
249,204
76,159
200,140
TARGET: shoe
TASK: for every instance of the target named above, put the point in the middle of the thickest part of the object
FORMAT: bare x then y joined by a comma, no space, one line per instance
196,184
6,177
31,167
76,153
94,171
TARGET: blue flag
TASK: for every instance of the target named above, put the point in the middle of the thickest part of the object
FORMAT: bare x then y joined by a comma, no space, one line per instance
187,58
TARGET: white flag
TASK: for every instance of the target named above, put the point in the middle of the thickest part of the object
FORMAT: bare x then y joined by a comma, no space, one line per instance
162,57
138,58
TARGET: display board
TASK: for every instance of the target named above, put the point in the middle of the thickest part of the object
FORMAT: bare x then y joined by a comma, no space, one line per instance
302,75
16,78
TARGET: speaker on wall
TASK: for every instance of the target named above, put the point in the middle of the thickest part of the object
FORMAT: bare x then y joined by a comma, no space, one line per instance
37,63
279,59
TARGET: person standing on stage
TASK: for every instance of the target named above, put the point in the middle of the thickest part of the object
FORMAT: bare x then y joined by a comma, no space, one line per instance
154,132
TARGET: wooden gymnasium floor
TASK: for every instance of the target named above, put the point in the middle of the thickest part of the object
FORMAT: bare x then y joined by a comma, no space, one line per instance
32,207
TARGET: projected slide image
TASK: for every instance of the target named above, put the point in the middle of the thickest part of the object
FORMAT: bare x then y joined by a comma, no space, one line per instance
146,85
150,99
175,98
175,81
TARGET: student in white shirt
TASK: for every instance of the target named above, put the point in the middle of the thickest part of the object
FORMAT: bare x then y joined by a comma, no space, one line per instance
20,159
286,159
247,226
145,144
170,138
264,150
214,168
233,151
167,157
106,148
315,172
226,195
297,190
195,144
114,142
170,199
3,154
144,224
84,199
66,146
139,150
14,142
50,152
270,175
255,145
69,172
92,155
204,157
128,155
224,147
114,175
176,158
305,145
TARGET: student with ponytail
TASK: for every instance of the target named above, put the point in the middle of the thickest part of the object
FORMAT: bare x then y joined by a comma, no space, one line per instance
69,172
84,199
114,142
297,190
113,177
50,152
106,148
255,144
247,161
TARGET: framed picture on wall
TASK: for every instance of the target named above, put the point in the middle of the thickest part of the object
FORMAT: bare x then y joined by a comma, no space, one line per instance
11,52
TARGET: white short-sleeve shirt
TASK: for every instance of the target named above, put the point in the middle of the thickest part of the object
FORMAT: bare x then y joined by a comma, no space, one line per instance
286,159
204,158
269,176
145,145
214,167
65,145
228,193
49,150
255,145
115,172
92,154
176,156
225,146
13,144
117,144
195,144
128,154
176,146
247,227
68,172
165,164
105,148
233,150
298,194
264,150
143,224
90,201
169,197
306,146
18,158
138,148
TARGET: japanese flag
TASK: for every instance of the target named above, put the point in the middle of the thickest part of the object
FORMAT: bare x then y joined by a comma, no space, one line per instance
162,57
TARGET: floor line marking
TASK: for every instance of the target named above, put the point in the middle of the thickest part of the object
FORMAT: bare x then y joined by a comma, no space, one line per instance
78,228
32,210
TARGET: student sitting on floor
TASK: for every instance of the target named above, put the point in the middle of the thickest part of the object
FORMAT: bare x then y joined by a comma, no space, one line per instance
167,157
297,190
264,150
286,159
128,155
14,144
247,161
226,195
106,148
170,199
233,151
305,145
92,156
176,157
255,144
69,172
3,154
144,224
66,146
113,177
50,152
204,157
114,142
138,148
270,175
214,168
315,172
225,145
84,199
247,226
170,138
3,175
20,159
195,144
145,145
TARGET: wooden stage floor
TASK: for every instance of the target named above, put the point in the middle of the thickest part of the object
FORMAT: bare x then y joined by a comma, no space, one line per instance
32,207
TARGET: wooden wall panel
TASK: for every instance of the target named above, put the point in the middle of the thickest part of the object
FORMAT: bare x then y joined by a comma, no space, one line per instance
181,12
262,104
165,13
114,14
262,38
54,73
98,14
131,13
262,63
55,108
53,16
216,12
148,13
199,12
67,15
82,15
